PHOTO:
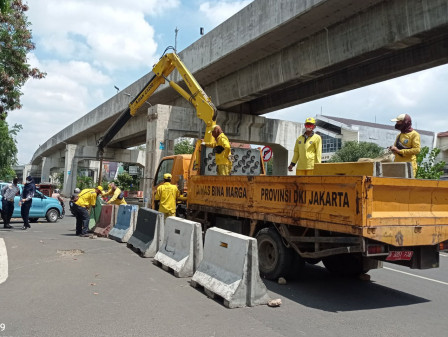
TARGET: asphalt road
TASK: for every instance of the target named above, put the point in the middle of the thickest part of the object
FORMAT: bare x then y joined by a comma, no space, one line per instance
63,285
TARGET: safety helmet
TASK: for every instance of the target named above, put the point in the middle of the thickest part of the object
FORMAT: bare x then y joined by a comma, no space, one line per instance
310,120
100,188
77,190
167,176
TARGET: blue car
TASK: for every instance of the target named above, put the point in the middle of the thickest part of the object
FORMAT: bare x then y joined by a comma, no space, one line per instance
42,206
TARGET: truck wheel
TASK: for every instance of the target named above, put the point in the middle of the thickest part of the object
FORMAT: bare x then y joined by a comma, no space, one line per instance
344,264
274,258
52,215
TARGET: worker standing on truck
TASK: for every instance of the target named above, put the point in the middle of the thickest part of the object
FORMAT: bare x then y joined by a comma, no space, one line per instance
222,151
407,144
167,194
307,151
117,195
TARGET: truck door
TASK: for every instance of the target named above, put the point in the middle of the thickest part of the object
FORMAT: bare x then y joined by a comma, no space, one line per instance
165,166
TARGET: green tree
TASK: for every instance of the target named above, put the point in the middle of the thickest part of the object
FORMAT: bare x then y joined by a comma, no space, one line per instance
4,5
124,181
351,151
8,149
60,180
184,147
428,168
15,44
84,182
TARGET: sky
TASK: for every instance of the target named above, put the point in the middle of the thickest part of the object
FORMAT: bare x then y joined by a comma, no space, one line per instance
89,47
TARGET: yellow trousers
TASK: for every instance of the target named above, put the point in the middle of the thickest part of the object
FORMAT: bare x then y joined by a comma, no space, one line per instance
304,172
223,170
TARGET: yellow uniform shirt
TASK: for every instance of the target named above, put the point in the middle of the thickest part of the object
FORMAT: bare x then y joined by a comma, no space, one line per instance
114,200
223,157
411,143
307,151
86,198
167,194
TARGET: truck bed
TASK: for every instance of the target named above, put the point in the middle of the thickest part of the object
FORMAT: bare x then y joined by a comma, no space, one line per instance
396,211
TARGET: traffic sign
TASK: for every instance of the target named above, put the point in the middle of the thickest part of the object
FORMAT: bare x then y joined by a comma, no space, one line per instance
266,153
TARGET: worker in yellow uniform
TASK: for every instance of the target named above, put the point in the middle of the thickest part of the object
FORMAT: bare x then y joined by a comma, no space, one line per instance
221,148
117,195
407,144
167,194
84,200
307,151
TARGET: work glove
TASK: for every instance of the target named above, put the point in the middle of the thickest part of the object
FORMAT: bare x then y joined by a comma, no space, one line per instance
218,149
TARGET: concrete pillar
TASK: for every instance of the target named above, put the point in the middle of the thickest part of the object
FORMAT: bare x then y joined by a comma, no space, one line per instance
157,145
26,171
70,170
45,171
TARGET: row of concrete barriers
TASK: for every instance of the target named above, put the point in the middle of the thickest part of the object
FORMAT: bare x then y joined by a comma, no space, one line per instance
226,265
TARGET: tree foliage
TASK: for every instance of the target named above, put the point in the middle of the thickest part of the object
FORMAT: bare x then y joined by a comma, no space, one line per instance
124,181
8,149
15,44
351,151
184,147
428,168
83,182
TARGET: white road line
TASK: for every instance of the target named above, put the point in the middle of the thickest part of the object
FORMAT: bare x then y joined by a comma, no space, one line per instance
3,262
425,278
443,254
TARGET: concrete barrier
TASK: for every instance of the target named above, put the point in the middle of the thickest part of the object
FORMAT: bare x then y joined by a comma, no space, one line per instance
398,170
181,249
106,222
3,262
230,269
148,234
125,225
95,213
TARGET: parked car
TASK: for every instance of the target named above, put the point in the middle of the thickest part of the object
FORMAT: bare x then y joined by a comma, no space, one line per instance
42,206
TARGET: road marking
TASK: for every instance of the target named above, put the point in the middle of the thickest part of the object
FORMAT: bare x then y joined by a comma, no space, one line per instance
422,277
443,254
3,262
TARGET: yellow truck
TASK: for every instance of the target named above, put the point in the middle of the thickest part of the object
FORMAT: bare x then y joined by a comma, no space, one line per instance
351,223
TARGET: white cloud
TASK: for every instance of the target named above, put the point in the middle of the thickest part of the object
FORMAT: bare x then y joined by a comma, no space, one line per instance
219,11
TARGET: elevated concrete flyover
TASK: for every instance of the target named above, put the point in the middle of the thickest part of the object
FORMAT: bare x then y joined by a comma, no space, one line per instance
275,54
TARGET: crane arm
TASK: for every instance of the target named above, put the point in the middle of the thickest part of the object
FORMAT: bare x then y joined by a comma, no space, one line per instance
203,105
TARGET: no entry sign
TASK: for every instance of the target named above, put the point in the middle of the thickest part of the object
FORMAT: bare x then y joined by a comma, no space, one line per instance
266,152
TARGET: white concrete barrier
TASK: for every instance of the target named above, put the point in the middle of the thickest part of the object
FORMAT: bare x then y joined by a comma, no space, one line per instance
148,234
3,262
230,269
182,248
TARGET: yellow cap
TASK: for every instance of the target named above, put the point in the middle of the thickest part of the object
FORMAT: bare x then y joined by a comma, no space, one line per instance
310,120
100,188
167,176
398,118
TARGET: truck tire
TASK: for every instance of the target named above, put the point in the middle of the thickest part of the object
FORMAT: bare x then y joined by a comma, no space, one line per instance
345,264
52,215
274,258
